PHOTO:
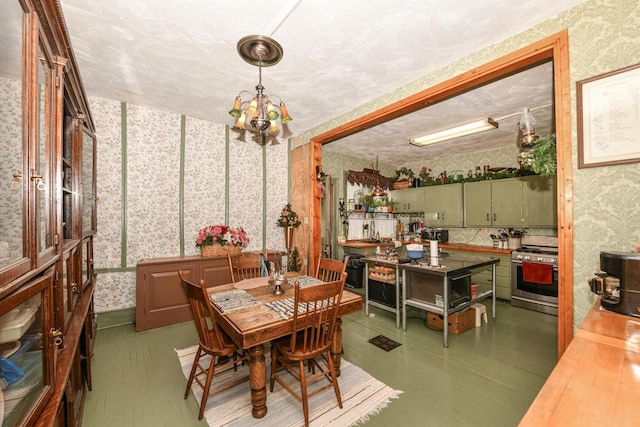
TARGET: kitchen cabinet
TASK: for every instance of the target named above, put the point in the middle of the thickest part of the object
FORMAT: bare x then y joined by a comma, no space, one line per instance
540,201
409,200
493,203
44,249
443,205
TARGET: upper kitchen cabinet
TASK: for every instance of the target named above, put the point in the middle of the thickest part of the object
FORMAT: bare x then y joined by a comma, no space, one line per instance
493,203
409,200
443,206
540,202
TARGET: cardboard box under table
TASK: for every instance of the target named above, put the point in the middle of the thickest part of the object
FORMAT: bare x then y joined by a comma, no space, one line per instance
458,322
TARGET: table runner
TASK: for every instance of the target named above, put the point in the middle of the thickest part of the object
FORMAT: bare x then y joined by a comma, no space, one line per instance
230,301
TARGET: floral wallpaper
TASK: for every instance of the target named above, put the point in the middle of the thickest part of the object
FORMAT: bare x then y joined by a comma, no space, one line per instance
10,162
603,36
141,219
204,178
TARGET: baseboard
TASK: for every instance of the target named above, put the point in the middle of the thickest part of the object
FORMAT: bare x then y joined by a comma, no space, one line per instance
110,319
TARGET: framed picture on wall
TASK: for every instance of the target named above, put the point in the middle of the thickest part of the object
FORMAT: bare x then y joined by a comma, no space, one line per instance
609,118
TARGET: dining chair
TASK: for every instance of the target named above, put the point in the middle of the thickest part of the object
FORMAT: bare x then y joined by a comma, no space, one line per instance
330,270
315,315
213,342
245,265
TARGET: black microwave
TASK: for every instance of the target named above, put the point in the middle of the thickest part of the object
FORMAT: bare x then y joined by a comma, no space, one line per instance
439,234
428,288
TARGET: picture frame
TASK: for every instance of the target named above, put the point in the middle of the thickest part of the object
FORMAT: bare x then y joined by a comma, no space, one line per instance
609,118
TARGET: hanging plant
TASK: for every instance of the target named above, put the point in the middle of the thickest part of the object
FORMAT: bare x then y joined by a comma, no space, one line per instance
542,157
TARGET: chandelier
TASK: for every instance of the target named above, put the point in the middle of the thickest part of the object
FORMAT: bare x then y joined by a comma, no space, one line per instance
258,113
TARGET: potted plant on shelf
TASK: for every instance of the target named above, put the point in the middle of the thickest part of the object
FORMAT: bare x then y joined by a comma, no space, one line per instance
425,176
288,221
404,178
214,240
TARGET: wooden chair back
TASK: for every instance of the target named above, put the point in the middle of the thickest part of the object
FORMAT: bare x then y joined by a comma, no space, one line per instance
203,316
330,270
245,266
314,315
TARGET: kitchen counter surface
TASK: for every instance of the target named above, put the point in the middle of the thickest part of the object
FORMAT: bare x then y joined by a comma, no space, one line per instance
357,244
596,381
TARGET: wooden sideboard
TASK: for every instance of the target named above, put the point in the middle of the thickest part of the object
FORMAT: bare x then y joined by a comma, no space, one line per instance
160,298
596,382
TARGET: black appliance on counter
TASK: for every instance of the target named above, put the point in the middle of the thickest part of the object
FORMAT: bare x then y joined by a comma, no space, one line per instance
619,282
430,233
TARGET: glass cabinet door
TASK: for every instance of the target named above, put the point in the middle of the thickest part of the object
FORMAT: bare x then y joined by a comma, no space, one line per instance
13,166
26,352
41,172
88,182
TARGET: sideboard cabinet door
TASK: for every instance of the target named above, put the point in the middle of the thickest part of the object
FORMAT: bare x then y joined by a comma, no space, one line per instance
160,298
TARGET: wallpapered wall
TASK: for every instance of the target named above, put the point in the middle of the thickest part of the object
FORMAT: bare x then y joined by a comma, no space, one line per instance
11,162
603,36
139,180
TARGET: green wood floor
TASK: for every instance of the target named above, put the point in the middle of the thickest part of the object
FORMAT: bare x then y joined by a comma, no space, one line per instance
487,377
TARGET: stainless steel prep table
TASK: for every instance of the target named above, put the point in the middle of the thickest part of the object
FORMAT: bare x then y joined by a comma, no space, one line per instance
393,263
451,266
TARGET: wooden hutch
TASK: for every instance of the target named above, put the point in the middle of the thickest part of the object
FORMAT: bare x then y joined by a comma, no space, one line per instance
48,221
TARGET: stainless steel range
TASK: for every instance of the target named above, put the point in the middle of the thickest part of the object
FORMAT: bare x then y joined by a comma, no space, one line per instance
534,274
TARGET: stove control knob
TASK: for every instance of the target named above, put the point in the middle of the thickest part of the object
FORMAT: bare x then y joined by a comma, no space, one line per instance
554,260
519,256
540,259
526,258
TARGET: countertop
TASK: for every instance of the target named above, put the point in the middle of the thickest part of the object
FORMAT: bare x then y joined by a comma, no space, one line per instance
357,244
597,380
449,264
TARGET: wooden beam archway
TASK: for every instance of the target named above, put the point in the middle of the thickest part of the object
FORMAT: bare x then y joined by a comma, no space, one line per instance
554,48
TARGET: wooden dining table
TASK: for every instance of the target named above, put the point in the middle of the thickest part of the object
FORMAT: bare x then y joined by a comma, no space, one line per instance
260,322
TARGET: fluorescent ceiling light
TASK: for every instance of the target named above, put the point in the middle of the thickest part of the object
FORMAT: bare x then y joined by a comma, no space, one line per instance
455,132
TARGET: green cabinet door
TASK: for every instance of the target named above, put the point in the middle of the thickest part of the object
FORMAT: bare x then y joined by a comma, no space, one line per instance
540,201
506,203
493,203
477,204
443,207
409,200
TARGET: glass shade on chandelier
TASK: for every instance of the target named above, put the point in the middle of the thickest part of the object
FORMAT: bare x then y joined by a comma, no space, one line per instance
258,113
527,128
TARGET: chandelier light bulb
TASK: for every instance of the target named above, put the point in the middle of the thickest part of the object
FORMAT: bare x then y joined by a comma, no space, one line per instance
261,51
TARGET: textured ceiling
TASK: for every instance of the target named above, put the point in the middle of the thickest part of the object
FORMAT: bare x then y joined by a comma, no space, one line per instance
181,56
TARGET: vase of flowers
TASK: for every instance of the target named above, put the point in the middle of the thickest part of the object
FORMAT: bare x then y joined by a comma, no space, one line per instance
289,221
215,240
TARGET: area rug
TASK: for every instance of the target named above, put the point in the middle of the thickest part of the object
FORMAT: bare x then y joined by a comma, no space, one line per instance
387,344
362,396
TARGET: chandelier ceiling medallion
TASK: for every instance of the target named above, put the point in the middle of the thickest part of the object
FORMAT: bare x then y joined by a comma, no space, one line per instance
258,113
